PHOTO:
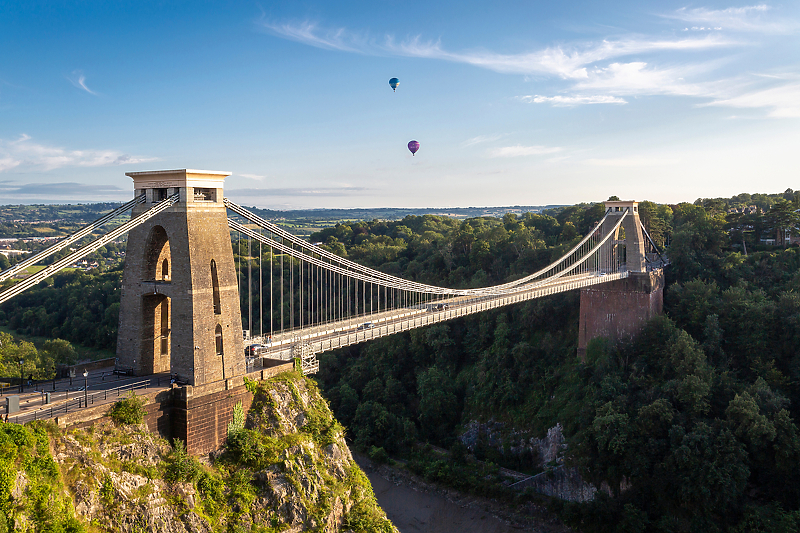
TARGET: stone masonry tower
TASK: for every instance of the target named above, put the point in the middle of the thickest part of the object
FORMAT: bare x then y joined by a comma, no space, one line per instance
618,309
179,309
631,229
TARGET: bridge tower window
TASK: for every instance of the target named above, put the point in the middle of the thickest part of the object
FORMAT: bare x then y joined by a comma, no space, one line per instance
165,270
218,340
215,288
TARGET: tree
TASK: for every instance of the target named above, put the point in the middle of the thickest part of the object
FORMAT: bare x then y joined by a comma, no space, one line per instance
784,219
438,406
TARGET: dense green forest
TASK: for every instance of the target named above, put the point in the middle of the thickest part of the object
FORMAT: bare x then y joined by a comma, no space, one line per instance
695,419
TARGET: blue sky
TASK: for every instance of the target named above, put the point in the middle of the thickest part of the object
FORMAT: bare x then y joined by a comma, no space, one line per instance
512,102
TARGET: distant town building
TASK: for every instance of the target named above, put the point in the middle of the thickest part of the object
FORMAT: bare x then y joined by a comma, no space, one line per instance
746,210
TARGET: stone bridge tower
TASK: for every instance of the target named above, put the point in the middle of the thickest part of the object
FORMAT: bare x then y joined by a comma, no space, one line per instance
618,309
179,309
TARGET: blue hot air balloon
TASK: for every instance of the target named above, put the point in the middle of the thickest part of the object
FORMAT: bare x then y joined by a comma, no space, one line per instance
394,82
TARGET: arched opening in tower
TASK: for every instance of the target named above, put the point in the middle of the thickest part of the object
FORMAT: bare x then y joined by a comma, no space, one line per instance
157,255
156,334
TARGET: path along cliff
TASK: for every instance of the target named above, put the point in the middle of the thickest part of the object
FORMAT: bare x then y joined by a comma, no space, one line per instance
285,467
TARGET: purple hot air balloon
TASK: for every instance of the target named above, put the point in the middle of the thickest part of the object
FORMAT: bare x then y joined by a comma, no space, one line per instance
413,146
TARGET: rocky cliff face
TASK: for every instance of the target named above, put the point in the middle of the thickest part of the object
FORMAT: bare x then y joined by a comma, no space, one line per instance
286,467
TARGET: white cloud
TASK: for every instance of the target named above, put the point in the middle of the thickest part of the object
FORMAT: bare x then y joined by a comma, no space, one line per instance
252,176
630,162
22,152
594,71
480,139
568,62
519,151
79,80
572,101
782,101
638,78
310,33
747,19
297,191
7,163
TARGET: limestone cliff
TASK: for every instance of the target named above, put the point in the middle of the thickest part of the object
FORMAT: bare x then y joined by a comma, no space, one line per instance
285,467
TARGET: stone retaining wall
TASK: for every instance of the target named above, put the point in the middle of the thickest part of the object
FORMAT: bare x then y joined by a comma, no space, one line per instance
197,415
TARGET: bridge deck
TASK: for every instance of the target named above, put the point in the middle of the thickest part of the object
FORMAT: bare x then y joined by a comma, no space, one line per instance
353,331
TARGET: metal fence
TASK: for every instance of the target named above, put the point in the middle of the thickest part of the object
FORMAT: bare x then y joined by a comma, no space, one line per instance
82,400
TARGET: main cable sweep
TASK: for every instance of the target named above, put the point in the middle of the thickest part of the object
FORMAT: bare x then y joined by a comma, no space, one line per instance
63,243
87,249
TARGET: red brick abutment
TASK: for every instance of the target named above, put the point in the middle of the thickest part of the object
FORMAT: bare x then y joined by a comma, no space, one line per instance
618,310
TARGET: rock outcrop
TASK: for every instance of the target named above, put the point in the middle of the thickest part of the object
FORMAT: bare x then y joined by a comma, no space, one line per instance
287,469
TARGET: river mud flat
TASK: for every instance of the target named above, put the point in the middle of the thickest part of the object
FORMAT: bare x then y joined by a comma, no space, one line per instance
415,506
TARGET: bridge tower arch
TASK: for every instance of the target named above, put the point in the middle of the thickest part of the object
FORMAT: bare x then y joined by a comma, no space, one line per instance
618,309
180,296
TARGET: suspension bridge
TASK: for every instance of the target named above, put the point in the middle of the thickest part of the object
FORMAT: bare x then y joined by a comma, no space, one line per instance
184,297
315,300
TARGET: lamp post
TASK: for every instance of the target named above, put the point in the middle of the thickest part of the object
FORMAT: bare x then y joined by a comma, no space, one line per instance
21,377
85,388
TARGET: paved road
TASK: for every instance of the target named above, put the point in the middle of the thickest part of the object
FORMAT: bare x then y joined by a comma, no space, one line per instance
66,390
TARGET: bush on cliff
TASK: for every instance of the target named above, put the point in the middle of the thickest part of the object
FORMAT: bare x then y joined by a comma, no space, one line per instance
128,411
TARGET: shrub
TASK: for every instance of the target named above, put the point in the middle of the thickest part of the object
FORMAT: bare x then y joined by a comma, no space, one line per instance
128,411
378,455
237,424
180,465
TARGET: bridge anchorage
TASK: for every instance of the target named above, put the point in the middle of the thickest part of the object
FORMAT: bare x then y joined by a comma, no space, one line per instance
183,298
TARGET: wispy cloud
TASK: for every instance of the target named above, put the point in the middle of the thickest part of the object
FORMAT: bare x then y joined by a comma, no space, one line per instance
746,19
519,151
638,78
600,72
297,191
480,139
568,62
60,189
572,101
8,163
782,101
630,162
23,152
258,177
78,79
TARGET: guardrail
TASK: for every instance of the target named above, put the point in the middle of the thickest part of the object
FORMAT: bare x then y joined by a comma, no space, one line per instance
82,401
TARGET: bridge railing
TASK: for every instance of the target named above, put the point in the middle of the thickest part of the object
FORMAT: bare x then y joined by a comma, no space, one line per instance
81,401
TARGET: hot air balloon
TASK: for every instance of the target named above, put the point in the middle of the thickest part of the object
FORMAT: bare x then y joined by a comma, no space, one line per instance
413,146
394,82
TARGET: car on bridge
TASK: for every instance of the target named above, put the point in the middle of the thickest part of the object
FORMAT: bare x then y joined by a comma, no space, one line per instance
255,350
365,325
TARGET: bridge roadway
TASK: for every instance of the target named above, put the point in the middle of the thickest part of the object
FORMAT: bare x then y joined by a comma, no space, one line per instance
106,387
354,330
